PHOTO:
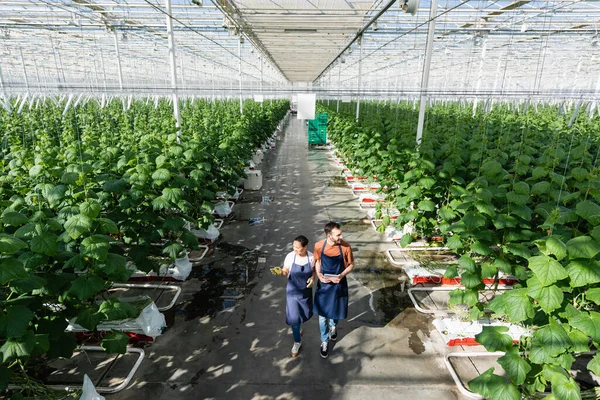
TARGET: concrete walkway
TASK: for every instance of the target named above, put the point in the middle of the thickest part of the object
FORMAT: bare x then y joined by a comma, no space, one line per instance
383,351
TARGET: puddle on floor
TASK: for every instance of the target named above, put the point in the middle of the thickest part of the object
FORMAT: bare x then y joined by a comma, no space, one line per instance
360,225
337,181
226,280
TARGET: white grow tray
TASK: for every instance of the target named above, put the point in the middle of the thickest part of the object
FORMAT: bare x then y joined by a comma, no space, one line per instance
439,304
175,289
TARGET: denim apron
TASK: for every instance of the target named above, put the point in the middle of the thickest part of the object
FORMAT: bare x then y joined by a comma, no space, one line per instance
331,299
299,301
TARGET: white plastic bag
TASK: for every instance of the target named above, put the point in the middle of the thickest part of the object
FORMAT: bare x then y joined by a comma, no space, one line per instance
222,209
181,269
210,233
89,391
151,321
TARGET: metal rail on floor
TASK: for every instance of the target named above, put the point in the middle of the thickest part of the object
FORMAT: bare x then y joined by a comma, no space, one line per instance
454,374
100,389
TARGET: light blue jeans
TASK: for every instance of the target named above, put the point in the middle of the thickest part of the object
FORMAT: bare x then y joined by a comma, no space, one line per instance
296,333
324,324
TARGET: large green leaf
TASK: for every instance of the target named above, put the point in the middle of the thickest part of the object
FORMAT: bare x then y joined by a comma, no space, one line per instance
486,383
11,269
174,223
517,198
541,188
518,250
117,186
594,364
85,287
503,221
470,280
454,242
491,168
90,208
172,194
596,233
473,220
579,339
95,246
587,322
460,296
549,341
515,366
161,175
518,306
566,389
547,269
583,272
160,203
494,338
583,247
589,211
113,310
77,225
552,245
26,231
446,213
25,285
14,218
46,243
173,249
18,348
481,248
19,317
521,188
89,318
10,244
107,226
115,342
69,178
548,297
593,295
467,263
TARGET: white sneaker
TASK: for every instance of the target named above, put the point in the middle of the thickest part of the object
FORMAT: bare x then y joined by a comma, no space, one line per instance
296,348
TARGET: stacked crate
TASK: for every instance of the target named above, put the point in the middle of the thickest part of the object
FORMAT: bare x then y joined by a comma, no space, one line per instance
317,130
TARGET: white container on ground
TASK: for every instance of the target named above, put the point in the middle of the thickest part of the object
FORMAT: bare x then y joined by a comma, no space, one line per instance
253,181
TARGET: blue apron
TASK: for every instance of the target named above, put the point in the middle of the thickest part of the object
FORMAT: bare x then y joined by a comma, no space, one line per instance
299,301
331,300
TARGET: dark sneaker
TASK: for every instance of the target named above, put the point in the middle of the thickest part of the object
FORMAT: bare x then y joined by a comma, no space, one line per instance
333,333
324,351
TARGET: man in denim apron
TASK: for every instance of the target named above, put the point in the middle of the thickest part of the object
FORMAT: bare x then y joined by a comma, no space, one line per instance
333,262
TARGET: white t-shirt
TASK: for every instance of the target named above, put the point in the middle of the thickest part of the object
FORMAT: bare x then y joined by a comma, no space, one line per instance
289,260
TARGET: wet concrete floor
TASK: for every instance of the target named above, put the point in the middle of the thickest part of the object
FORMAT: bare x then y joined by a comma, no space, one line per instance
229,339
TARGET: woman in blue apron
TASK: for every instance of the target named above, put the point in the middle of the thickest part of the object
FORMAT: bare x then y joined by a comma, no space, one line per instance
331,296
299,268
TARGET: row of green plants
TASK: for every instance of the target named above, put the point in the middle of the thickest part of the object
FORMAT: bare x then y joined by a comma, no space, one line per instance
512,192
87,190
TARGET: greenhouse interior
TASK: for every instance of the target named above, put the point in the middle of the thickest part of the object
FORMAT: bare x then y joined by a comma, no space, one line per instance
405,193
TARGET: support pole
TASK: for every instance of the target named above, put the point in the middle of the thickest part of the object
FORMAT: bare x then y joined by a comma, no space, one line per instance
426,65
261,74
118,59
339,88
24,69
173,67
240,73
359,77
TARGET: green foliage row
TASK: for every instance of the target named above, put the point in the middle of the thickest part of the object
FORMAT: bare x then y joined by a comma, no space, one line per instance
513,192
86,191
